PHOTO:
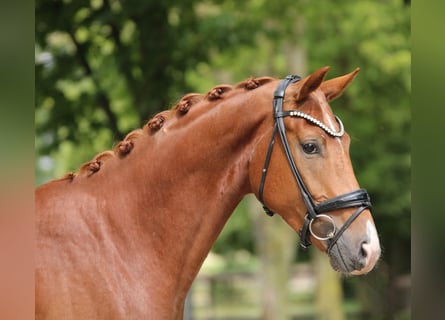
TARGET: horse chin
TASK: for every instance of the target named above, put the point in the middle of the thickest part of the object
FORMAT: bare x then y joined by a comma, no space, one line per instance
339,265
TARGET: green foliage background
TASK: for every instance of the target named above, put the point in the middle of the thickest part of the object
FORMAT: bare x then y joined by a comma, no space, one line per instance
104,67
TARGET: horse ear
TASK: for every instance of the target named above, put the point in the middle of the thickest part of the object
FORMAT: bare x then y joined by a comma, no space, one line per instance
333,88
310,83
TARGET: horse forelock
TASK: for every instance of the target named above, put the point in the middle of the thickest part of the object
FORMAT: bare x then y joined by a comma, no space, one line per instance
123,148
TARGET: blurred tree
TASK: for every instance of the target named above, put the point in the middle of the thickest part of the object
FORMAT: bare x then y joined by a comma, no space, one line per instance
275,246
106,66
329,291
376,111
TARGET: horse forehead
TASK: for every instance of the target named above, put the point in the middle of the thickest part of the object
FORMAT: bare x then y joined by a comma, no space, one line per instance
323,111
322,104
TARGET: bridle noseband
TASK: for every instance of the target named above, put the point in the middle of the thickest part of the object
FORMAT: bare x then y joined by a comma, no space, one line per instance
358,198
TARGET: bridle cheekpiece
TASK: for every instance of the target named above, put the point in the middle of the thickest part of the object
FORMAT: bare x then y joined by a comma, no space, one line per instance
358,198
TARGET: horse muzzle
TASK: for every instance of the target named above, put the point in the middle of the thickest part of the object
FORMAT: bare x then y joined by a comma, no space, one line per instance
356,256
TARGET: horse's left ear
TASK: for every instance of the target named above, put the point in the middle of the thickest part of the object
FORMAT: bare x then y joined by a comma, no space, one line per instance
333,88
310,83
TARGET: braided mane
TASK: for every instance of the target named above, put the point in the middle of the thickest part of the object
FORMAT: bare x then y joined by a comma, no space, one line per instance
123,148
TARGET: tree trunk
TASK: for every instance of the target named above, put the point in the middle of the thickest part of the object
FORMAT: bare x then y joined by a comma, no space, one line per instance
329,292
276,246
276,243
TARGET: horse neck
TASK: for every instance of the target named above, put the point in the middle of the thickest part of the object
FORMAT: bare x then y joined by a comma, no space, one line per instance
190,180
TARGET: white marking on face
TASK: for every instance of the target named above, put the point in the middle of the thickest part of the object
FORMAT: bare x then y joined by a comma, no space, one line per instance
331,124
330,121
372,249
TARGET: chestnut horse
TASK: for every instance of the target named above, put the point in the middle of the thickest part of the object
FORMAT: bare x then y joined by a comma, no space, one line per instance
125,237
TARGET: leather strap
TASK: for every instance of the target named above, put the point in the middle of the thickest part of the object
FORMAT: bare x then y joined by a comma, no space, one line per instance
265,168
278,96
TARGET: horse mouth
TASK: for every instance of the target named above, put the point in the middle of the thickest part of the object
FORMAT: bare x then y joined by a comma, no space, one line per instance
356,255
343,261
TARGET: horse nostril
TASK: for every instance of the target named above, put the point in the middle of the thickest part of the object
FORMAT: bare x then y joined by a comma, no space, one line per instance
363,252
362,256
367,251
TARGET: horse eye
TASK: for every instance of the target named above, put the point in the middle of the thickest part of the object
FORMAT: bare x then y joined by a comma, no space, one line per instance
310,148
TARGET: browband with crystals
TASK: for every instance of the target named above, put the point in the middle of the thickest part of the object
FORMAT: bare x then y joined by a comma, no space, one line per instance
295,113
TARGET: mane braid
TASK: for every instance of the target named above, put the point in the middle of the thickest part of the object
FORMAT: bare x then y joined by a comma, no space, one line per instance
156,123
217,92
253,83
184,105
93,166
181,108
124,147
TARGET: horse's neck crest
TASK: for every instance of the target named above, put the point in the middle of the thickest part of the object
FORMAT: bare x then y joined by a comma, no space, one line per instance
182,107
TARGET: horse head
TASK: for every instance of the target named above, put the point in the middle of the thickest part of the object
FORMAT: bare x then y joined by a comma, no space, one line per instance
308,178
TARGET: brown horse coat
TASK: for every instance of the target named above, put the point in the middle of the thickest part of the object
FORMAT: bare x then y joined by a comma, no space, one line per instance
125,237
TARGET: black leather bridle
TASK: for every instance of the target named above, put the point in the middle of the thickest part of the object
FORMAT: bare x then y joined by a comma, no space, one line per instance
358,198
